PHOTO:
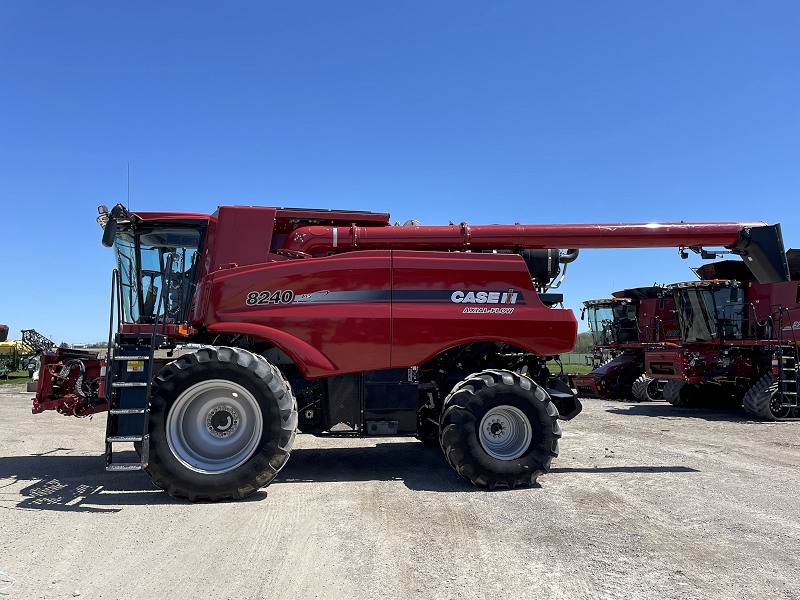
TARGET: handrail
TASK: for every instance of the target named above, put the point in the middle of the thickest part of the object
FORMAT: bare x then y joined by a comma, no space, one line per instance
116,298
781,310
120,308
153,336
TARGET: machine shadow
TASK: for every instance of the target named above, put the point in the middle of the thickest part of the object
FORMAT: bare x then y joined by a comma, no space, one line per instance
80,483
419,467
75,484
665,410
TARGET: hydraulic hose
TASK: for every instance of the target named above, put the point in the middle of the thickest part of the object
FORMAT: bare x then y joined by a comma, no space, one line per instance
569,257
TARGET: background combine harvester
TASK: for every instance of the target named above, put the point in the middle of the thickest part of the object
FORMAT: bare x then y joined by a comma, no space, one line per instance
337,323
738,341
623,327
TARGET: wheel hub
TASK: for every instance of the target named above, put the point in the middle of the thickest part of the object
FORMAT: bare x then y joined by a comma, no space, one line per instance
222,421
505,432
214,426
496,429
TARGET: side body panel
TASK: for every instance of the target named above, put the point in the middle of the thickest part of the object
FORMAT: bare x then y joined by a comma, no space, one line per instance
657,321
770,300
665,364
345,309
443,299
339,306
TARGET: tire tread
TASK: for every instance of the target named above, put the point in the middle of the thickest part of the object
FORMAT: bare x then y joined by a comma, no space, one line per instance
270,375
458,423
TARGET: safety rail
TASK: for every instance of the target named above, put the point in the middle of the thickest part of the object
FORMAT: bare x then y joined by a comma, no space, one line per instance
655,332
780,309
787,365
116,302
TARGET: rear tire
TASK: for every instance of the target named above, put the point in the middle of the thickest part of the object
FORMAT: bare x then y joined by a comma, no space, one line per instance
678,393
499,429
222,424
646,389
763,399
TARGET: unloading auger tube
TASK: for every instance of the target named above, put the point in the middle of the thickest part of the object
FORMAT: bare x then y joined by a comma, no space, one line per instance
761,245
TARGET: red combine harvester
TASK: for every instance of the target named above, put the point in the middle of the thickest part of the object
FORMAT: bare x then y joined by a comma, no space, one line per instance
739,341
338,323
623,327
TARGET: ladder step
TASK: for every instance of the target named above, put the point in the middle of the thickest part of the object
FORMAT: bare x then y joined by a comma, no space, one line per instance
125,438
124,358
124,467
129,384
126,411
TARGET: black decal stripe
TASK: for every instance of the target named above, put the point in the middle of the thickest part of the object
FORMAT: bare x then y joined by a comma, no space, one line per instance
402,296
422,295
346,297
445,296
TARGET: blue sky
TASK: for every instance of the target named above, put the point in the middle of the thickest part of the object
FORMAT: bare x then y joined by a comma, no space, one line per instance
537,112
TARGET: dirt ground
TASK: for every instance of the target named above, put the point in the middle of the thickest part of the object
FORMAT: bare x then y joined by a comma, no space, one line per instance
646,500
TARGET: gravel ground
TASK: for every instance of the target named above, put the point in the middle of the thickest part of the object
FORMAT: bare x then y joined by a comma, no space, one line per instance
645,501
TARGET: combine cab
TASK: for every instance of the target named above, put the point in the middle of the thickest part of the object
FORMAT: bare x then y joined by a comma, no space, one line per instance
622,328
738,342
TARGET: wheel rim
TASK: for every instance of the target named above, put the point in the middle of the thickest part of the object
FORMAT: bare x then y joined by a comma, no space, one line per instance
652,389
505,433
775,407
214,426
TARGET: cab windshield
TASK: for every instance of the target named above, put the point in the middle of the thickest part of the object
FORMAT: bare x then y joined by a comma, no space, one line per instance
709,313
613,323
142,258
600,320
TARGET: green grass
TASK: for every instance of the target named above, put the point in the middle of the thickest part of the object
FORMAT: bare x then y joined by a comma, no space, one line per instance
582,369
15,377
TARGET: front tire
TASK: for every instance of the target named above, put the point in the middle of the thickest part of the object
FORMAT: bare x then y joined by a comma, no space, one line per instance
499,429
222,424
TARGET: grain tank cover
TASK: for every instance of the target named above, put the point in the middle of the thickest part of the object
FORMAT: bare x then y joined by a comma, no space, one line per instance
725,269
640,293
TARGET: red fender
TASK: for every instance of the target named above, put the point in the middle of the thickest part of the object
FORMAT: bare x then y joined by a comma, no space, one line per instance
308,359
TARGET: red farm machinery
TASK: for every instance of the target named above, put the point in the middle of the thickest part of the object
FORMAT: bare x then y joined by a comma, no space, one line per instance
738,341
623,327
231,332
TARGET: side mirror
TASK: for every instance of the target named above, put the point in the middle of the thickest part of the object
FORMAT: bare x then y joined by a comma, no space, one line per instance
583,313
109,233
734,295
